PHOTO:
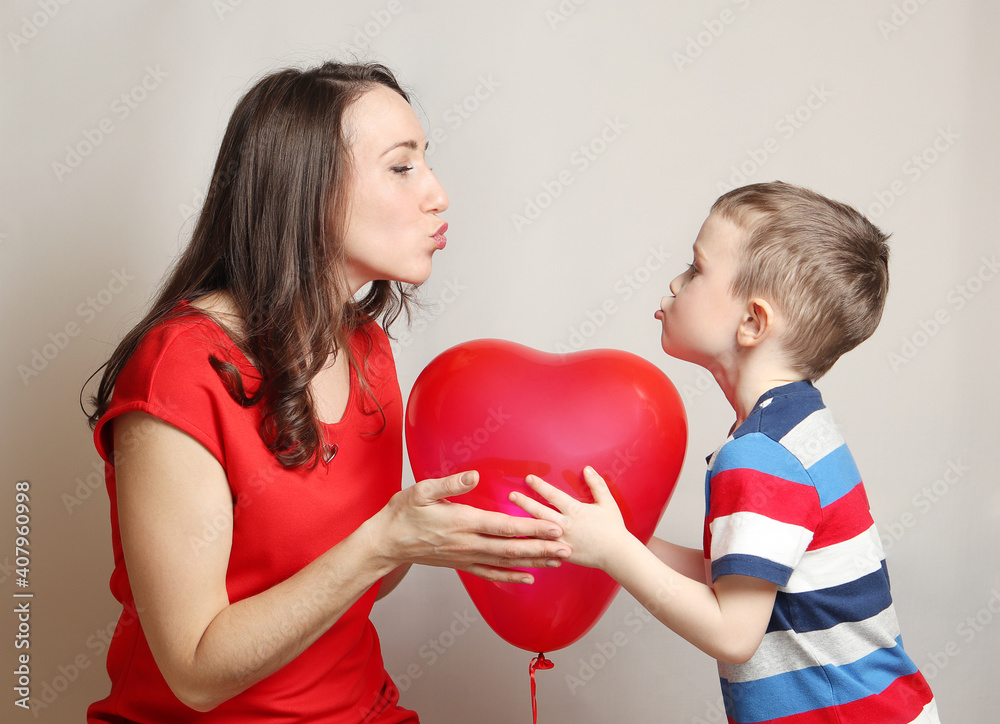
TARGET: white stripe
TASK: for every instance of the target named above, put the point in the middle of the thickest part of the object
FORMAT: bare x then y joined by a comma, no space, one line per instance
783,651
814,438
929,715
757,535
711,459
838,563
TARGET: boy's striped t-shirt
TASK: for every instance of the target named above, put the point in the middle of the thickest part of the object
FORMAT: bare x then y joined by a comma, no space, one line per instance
785,503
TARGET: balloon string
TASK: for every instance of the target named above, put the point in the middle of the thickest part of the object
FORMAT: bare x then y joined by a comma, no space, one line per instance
539,662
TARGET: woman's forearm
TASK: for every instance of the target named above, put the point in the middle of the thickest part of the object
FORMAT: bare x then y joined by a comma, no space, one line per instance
391,580
251,639
207,647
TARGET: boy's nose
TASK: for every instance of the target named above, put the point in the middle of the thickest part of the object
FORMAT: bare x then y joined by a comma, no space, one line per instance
675,284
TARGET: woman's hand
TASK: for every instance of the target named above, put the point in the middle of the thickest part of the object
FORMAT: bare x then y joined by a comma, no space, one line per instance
592,530
419,525
208,648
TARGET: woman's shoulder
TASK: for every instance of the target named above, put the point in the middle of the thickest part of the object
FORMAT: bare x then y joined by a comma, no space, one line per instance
170,375
185,331
177,351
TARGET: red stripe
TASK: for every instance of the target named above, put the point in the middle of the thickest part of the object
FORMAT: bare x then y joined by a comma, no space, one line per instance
843,519
752,491
900,703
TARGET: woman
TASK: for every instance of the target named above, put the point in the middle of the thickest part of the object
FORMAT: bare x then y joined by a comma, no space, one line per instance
252,425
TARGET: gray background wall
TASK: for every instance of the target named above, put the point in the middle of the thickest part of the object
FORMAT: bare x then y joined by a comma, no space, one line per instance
110,118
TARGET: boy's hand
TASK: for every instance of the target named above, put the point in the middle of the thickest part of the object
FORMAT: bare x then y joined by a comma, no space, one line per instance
592,530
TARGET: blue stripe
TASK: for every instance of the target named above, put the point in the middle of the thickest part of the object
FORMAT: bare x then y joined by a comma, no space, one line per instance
746,565
835,475
790,404
759,452
817,687
819,610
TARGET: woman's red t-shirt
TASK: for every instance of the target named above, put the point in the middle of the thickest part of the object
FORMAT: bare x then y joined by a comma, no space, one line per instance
282,520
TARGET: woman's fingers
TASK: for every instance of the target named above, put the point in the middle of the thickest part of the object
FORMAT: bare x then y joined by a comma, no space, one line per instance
501,575
501,525
434,529
434,490
518,552
513,541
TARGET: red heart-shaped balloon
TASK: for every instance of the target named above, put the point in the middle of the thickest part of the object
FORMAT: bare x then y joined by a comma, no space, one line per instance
507,410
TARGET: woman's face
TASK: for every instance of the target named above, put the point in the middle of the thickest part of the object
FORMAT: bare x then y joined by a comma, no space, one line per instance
392,224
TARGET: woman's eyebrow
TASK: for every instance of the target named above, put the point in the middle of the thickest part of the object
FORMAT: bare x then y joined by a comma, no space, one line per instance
411,144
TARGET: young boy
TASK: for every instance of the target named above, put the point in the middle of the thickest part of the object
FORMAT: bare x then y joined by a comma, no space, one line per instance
790,593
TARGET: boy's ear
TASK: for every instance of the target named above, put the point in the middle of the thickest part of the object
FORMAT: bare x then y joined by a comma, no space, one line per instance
757,324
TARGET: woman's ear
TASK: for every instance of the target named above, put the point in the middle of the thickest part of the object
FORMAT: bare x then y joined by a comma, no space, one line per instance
757,323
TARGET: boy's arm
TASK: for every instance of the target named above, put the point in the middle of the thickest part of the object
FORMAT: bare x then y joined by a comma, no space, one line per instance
727,621
687,561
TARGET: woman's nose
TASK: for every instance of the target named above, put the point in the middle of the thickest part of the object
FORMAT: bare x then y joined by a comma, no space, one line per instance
437,197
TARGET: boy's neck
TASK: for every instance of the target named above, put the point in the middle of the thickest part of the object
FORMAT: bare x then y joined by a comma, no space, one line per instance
744,382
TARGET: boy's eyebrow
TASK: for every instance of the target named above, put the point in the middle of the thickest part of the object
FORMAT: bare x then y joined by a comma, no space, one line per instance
410,144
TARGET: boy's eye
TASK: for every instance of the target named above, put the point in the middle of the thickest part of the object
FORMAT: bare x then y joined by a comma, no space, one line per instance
693,268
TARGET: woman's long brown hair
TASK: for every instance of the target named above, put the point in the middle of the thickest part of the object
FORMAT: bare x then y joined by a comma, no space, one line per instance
270,236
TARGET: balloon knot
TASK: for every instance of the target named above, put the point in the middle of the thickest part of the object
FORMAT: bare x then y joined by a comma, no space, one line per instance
539,662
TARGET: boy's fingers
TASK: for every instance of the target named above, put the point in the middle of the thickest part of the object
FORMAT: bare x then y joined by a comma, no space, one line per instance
534,508
550,492
598,486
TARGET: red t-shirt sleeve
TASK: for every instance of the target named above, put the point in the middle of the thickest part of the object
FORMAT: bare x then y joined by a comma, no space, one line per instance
170,377
282,520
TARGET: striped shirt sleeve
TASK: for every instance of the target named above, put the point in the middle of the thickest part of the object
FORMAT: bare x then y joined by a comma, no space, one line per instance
763,510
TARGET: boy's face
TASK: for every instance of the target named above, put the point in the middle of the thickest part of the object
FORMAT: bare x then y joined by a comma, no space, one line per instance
701,317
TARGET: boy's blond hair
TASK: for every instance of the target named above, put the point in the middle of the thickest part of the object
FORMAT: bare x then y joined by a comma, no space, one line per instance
821,263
